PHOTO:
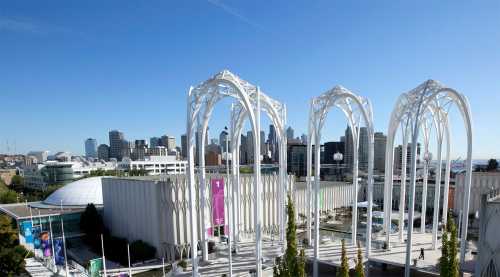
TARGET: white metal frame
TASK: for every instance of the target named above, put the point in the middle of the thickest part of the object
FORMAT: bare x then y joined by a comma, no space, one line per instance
200,104
356,110
429,102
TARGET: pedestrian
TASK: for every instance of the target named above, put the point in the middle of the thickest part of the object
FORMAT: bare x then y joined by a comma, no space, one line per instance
421,254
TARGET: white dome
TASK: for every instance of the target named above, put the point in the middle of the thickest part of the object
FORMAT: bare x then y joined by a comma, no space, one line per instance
78,193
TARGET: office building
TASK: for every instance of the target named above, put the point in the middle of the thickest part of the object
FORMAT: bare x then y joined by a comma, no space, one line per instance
154,142
184,147
91,148
398,157
116,144
103,152
289,133
379,148
40,156
223,138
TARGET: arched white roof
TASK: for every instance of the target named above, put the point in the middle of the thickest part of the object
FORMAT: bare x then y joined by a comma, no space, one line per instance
78,193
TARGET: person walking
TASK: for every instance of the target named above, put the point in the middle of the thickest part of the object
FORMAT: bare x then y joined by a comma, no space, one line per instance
421,254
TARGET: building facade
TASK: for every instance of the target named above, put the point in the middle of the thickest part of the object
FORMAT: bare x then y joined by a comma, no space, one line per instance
91,148
116,144
379,147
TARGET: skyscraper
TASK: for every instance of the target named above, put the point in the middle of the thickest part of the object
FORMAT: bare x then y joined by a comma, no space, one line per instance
223,137
154,142
91,148
273,143
363,148
116,144
249,148
380,141
289,133
184,146
103,152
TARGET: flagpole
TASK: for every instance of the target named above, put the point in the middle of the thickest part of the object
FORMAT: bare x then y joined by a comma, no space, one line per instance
52,241
128,254
163,265
103,257
64,244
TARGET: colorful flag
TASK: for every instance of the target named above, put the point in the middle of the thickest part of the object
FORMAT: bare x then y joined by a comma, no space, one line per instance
218,201
59,251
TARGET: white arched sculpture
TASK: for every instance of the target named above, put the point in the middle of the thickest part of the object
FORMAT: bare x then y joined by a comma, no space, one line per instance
426,105
277,114
201,102
356,109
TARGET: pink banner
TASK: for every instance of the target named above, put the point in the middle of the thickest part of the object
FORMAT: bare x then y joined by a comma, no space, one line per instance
218,201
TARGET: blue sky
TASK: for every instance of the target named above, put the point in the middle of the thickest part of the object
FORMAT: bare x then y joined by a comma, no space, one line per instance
76,69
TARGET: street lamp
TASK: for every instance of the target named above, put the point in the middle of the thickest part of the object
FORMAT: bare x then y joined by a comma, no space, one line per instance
337,157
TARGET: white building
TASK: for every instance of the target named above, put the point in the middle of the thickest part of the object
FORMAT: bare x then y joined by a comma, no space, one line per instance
155,165
488,260
482,183
155,209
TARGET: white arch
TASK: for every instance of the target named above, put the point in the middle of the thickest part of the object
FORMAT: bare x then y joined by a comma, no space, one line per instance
201,100
355,108
428,99
276,112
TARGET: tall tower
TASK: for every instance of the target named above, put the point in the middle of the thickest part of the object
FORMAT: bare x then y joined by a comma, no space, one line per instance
91,148
116,144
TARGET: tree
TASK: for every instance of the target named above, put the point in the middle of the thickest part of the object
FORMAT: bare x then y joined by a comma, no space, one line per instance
492,165
8,197
12,254
141,251
443,261
344,266
17,183
453,249
92,225
448,263
360,271
292,265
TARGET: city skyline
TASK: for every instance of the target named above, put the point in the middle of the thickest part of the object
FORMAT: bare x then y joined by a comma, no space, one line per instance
109,70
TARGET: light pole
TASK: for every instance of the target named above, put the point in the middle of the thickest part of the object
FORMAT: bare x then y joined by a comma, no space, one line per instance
337,157
229,246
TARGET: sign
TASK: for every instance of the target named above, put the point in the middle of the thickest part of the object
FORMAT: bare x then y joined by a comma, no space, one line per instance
59,251
27,231
217,201
95,266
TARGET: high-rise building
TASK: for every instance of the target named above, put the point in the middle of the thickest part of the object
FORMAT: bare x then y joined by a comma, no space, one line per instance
363,148
184,146
170,143
330,149
116,144
249,148
398,157
263,146
273,143
348,146
223,138
91,148
380,141
289,133
103,152
154,142
243,149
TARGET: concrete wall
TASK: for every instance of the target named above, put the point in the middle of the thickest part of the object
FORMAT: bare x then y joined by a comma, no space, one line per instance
488,261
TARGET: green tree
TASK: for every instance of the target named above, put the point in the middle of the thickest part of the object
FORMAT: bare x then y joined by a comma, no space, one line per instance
443,261
8,197
12,254
17,183
360,271
453,250
492,165
92,225
292,265
141,251
344,266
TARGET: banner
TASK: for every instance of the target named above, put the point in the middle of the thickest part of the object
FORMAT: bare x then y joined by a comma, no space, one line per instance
45,244
59,251
27,231
95,266
36,237
217,201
